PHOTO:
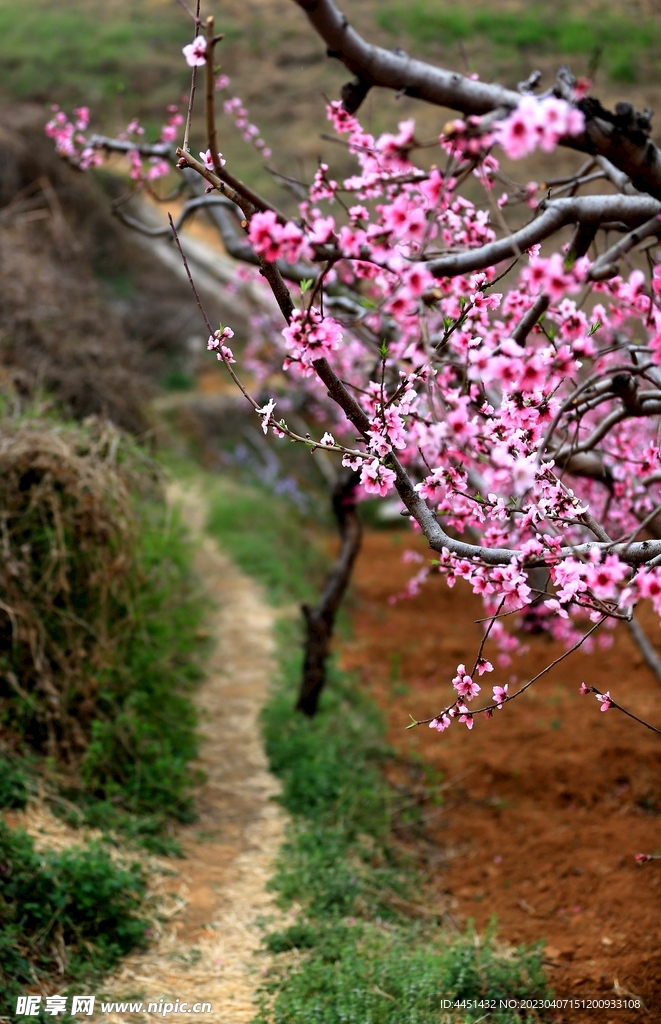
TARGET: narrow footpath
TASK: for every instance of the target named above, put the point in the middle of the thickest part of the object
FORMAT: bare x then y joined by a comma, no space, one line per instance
209,949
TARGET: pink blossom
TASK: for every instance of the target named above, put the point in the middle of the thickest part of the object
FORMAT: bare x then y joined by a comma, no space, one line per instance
500,695
464,685
158,169
207,160
266,413
606,701
537,122
215,344
195,52
518,134
377,478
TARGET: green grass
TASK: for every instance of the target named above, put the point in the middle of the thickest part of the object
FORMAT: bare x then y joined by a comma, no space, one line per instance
538,29
81,52
364,959
268,539
69,915
145,737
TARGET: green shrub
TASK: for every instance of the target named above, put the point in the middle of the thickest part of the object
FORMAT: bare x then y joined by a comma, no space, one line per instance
13,785
68,915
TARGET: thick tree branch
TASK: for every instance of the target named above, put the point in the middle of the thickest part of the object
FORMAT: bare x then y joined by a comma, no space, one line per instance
529,319
160,149
606,265
619,138
554,214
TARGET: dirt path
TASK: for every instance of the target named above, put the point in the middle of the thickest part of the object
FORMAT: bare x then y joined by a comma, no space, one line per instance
209,950
545,806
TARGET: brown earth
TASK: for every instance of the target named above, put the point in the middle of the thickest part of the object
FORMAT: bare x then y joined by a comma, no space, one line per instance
545,806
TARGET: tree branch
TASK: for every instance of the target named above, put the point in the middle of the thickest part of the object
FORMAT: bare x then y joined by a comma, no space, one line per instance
606,265
621,138
554,214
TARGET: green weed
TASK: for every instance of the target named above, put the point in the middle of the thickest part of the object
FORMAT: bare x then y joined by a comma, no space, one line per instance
70,915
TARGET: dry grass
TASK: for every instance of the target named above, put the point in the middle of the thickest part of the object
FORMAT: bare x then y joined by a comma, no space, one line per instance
67,537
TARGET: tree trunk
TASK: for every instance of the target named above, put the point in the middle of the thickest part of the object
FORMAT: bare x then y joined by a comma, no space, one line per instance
320,620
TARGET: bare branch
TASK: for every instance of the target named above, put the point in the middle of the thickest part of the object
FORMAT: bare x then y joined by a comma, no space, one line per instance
606,265
209,104
554,214
230,186
529,319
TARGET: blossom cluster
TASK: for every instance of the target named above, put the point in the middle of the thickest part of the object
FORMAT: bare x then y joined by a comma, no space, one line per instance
249,132
538,122
479,418
516,445
70,142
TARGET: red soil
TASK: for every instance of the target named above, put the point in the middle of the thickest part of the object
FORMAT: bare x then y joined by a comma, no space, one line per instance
545,806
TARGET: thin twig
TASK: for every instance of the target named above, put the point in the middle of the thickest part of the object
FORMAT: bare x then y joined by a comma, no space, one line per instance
193,79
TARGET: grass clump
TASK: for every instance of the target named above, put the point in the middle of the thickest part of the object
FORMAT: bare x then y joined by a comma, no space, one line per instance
364,947
97,626
68,916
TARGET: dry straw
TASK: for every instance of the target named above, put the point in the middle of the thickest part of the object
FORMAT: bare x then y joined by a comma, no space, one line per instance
67,535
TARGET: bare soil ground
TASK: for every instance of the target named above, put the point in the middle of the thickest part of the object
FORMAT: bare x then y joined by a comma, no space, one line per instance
545,806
